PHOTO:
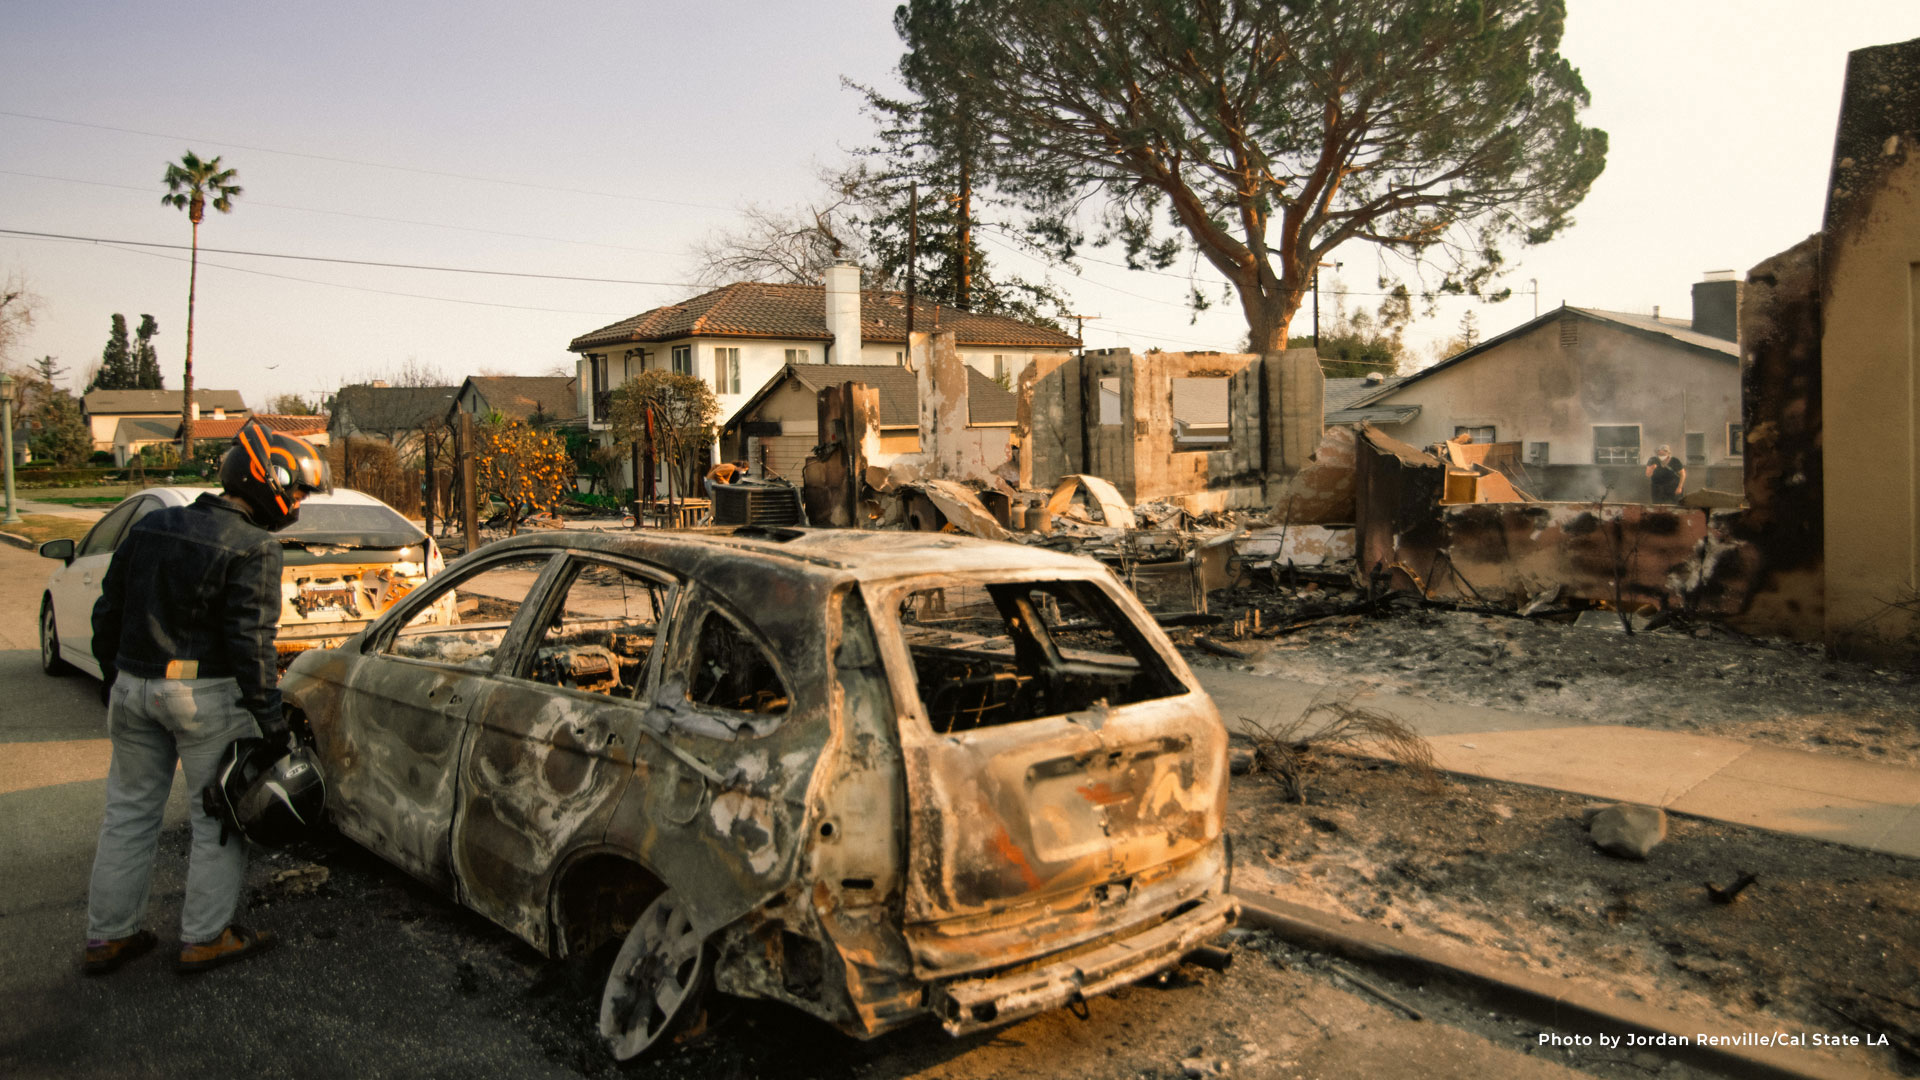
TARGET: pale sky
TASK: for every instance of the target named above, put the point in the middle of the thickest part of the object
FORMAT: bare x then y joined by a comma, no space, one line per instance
601,140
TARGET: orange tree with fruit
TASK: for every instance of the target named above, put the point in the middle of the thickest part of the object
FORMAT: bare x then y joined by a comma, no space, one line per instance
524,467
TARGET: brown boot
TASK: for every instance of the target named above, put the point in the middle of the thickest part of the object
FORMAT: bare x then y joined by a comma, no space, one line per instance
105,956
233,944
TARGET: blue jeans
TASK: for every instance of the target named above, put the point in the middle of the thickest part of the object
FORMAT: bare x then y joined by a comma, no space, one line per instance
152,723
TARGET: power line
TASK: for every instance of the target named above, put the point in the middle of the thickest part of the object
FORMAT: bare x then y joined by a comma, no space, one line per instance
251,202
365,164
360,288
349,262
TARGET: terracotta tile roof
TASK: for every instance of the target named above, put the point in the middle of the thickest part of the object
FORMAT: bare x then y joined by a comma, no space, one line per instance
751,309
987,401
122,402
520,396
204,428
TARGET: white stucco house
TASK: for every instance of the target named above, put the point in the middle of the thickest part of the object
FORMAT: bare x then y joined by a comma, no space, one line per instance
1589,395
740,337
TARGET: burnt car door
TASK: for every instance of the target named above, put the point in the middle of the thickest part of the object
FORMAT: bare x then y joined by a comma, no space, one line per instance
733,728
553,737
391,749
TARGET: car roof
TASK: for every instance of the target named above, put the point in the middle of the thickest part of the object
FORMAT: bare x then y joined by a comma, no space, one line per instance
827,555
181,496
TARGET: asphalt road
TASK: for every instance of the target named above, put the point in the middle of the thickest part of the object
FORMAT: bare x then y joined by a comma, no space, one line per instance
377,977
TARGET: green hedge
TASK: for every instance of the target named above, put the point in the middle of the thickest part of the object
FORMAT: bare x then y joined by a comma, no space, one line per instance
54,477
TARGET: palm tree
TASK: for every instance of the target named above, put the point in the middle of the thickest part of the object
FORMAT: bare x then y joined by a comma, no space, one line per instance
191,184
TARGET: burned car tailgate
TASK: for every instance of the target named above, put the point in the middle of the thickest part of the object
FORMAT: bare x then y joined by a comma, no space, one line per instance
1067,781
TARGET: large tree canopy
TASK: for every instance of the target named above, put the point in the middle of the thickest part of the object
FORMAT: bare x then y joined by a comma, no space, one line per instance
1270,132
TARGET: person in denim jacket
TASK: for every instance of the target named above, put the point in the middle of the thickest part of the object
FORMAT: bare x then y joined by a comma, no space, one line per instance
184,633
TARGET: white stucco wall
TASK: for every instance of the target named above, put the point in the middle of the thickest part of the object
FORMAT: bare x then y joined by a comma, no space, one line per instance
761,360
1533,389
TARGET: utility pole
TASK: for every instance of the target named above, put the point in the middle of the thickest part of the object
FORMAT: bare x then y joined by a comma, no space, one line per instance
1316,301
913,249
1080,329
468,496
1536,296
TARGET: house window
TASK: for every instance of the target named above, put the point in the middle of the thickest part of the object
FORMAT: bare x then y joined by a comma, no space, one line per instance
1616,444
1536,453
1736,440
798,356
1480,435
1696,448
999,367
899,357
683,359
726,370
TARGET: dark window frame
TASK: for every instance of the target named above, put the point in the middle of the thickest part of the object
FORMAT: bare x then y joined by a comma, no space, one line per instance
378,643
1633,458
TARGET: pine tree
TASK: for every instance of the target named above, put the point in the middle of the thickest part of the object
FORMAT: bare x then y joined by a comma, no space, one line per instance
116,361
1263,135
146,362
61,436
47,373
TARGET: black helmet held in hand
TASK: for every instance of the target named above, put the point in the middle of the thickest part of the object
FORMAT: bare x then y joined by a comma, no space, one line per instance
271,473
270,791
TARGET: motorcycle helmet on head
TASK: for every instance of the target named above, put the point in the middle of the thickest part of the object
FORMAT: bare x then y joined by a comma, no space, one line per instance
269,791
270,472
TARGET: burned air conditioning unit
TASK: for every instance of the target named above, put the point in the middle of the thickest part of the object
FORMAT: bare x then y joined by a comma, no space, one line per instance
754,503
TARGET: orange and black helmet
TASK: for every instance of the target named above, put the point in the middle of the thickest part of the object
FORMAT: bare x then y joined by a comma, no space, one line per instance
264,469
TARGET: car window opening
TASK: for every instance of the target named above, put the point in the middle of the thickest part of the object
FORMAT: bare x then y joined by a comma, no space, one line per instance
731,671
599,639
1005,653
463,626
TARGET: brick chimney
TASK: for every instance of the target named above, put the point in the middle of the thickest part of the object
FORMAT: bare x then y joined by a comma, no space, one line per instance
1716,305
843,313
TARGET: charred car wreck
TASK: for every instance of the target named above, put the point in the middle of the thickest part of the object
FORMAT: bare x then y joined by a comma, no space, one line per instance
875,776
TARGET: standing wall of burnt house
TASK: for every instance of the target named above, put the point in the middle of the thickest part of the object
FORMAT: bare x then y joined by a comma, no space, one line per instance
1210,431
1781,410
1629,555
1870,357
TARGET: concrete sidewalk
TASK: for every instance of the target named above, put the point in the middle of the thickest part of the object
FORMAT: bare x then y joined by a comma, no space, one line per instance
82,513
1819,796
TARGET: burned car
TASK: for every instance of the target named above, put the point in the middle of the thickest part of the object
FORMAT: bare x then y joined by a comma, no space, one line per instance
875,776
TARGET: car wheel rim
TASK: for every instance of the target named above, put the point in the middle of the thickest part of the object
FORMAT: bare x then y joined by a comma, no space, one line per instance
654,979
46,638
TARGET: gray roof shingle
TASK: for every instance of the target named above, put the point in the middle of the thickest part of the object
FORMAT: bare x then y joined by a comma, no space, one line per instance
122,402
389,410
520,396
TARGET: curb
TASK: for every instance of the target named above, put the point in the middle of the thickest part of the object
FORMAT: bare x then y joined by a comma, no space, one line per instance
19,541
1546,1001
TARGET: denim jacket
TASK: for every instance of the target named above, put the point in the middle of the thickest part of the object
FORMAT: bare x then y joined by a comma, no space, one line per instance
197,584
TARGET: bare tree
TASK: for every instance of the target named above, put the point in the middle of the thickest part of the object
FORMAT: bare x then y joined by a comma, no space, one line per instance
409,372
18,306
790,246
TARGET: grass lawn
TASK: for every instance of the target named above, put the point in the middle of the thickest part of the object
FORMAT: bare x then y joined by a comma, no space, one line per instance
41,528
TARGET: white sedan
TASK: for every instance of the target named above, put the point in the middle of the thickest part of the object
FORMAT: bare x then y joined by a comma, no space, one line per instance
348,558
